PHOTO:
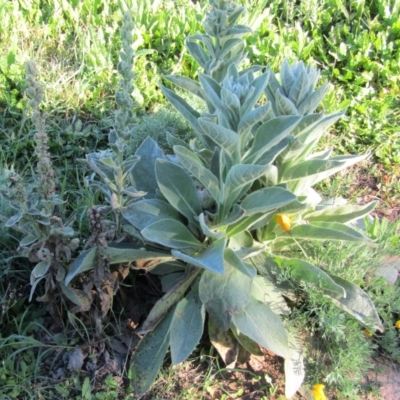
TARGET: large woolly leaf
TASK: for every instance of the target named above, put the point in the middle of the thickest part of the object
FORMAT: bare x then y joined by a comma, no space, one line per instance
342,214
294,366
143,173
178,188
326,231
149,355
193,164
212,258
144,212
267,199
358,304
186,83
122,253
170,233
182,106
240,178
226,139
84,262
304,271
260,324
269,135
187,326
266,292
227,294
163,305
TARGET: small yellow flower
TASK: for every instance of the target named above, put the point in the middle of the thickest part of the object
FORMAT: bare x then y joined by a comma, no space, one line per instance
367,333
397,324
284,222
318,392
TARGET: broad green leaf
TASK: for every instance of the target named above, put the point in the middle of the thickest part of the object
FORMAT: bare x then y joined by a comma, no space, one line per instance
252,117
170,233
245,223
310,168
300,88
187,84
123,253
266,292
227,294
312,101
239,180
144,212
244,245
14,219
207,230
212,91
269,135
284,106
34,284
143,173
314,134
41,269
82,299
325,231
149,355
84,262
212,258
179,189
168,281
294,366
161,308
266,199
225,138
193,164
183,107
253,97
224,342
260,324
174,141
358,304
342,214
304,271
249,345
27,240
186,327
197,52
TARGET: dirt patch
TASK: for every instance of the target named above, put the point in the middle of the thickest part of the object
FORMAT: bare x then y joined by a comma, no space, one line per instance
385,377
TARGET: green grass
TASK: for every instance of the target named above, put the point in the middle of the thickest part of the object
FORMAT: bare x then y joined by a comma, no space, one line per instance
76,44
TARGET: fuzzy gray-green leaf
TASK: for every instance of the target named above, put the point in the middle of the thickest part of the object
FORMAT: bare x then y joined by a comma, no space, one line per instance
84,262
260,324
267,199
144,212
178,188
269,135
211,258
227,294
186,327
358,304
194,165
149,356
170,233
143,173
163,305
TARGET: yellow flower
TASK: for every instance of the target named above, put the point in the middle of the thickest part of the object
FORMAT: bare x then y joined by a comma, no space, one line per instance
284,222
367,333
397,324
318,392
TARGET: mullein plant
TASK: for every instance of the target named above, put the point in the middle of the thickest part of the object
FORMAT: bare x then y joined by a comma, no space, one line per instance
212,220
114,166
47,240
